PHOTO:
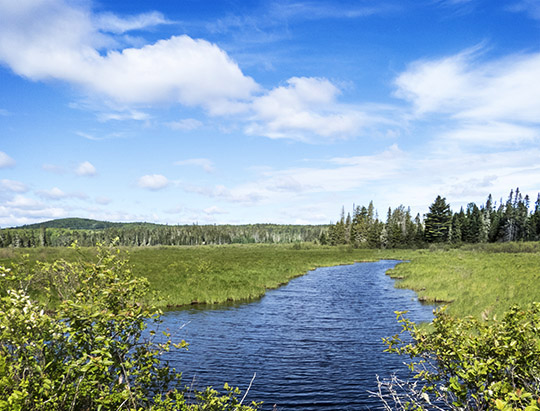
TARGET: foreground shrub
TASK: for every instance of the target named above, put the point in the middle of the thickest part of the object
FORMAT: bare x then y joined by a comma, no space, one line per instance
469,364
73,337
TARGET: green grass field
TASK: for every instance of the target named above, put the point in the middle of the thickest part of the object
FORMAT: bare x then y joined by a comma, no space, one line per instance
484,280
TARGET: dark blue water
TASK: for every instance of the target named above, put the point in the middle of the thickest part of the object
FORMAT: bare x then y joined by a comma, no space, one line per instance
315,344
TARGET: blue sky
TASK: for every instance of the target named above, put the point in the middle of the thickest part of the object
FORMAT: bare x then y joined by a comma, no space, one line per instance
264,111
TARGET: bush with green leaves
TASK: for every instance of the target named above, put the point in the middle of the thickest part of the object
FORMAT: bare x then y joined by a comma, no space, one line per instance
73,336
468,364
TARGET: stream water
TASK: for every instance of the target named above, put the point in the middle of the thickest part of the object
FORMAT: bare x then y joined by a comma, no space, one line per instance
314,344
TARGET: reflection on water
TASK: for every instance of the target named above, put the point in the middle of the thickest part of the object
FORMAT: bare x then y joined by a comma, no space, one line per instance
314,344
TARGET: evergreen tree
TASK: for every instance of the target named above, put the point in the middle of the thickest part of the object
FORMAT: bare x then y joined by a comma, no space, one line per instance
438,221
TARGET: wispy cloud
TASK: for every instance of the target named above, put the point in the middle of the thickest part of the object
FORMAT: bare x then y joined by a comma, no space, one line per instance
186,124
114,24
337,175
311,10
531,7
488,101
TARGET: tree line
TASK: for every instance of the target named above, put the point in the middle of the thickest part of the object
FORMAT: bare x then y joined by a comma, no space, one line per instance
60,234
512,220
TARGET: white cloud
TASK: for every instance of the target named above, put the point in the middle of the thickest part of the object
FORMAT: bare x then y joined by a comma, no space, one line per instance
204,163
503,89
127,114
25,203
5,160
86,169
484,102
153,182
25,210
303,108
34,44
12,185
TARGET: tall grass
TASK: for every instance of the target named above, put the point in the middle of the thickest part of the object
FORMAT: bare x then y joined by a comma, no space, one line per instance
217,274
482,281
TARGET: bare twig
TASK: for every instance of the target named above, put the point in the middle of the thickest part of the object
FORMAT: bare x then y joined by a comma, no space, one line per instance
246,393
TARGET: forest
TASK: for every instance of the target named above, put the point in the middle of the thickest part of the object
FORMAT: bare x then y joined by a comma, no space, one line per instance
488,223
88,233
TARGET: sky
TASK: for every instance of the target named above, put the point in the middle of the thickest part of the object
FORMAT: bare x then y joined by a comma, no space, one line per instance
270,111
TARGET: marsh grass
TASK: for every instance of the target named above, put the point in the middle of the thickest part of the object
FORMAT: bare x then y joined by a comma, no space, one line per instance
481,280
216,274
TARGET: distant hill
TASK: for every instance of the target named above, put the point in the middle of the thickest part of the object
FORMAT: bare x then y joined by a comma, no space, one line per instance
74,224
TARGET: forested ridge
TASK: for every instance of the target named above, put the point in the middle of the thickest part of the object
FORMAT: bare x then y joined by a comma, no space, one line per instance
63,232
510,220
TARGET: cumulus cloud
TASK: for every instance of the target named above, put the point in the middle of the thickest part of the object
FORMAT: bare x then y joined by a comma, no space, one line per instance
177,70
153,182
34,44
305,106
86,169
5,160
14,186
204,163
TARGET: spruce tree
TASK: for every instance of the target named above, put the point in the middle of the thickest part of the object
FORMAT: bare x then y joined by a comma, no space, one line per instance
438,221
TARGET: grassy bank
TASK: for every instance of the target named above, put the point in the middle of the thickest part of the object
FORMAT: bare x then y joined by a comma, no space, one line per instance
480,281
215,274
484,279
